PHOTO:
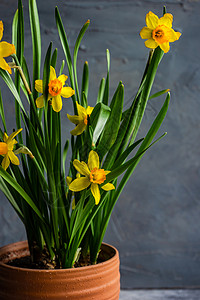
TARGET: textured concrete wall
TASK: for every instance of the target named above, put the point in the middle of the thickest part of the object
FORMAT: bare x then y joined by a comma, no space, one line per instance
155,224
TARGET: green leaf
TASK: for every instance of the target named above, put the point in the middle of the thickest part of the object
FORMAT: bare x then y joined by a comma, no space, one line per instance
66,50
84,102
2,113
6,77
19,55
98,119
46,74
10,198
85,84
14,29
27,76
159,94
101,90
62,67
76,48
20,33
110,132
106,90
144,96
64,156
20,190
156,124
36,42
54,58
125,154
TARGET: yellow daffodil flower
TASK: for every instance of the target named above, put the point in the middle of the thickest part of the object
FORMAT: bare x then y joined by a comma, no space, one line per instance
6,149
56,90
159,32
6,50
92,176
81,120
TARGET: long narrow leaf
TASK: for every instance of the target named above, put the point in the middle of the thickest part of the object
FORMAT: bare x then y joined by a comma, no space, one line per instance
85,84
110,132
67,53
106,90
10,198
76,48
2,113
6,77
20,190
98,119
101,90
36,41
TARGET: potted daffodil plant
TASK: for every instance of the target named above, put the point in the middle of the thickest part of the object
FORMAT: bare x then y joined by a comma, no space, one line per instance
65,204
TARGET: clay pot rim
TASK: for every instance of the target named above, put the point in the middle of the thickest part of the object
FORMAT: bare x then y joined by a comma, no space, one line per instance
109,261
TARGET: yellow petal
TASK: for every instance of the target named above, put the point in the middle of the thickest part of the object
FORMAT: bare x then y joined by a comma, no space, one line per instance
3,148
95,192
39,85
13,135
173,35
57,103
78,129
89,110
81,167
81,111
52,73
178,34
107,172
165,47
14,159
1,30
4,65
166,20
69,180
151,20
93,160
108,187
63,78
6,49
151,44
11,144
40,102
75,119
5,137
5,162
79,184
146,33
67,92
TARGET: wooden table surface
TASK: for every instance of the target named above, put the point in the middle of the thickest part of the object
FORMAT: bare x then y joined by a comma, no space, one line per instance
160,294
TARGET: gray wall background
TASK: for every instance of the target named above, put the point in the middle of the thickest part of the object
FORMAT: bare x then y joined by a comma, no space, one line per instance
155,224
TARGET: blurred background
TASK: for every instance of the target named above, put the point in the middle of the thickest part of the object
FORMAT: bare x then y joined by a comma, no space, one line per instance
155,223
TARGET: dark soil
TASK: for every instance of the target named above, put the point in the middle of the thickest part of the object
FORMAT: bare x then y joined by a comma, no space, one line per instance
25,262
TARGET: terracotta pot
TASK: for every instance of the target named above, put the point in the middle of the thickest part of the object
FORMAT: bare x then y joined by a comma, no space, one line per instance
98,282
